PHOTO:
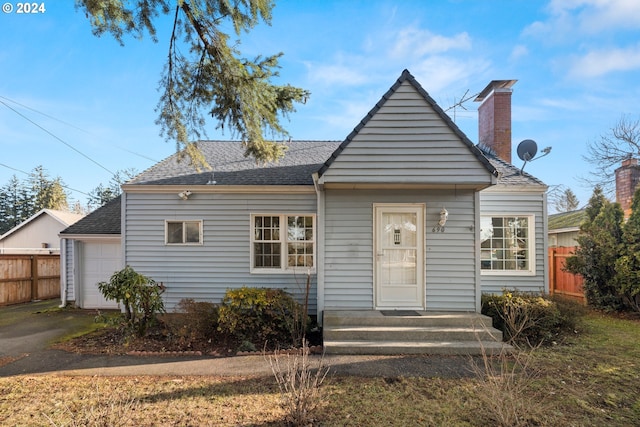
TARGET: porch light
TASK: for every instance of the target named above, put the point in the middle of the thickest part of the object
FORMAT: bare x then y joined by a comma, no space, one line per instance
184,195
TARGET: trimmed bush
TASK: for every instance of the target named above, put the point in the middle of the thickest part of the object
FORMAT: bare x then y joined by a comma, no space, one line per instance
193,321
139,295
529,319
263,317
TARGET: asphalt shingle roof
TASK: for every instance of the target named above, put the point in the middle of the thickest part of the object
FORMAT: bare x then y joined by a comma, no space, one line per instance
104,220
509,174
562,220
231,167
303,158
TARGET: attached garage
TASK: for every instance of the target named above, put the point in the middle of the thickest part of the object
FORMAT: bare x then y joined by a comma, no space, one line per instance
91,253
98,261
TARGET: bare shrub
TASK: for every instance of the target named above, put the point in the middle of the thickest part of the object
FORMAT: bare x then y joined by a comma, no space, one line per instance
505,388
299,382
506,380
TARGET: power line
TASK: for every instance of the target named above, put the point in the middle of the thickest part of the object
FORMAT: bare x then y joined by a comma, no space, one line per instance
63,186
56,137
74,127
43,114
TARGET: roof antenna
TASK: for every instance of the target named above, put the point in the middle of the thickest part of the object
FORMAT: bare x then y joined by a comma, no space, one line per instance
527,150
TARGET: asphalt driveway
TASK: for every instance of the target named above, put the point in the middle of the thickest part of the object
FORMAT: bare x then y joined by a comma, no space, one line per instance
28,330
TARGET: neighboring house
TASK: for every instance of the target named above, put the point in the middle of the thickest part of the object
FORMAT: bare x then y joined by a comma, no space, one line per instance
38,234
564,227
405,213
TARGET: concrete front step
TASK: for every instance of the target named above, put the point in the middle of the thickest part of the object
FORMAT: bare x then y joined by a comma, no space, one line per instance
422,332
424,318
410,333
412,347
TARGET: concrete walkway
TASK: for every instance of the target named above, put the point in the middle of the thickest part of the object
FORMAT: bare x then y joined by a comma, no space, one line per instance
28,330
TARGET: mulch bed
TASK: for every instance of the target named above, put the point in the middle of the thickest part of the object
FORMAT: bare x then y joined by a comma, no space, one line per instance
158,341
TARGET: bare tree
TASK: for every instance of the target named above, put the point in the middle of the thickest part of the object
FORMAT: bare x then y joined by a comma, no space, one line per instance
607,153
563,199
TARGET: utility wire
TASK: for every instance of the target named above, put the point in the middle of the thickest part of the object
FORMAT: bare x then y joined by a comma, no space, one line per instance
59,139
43,114
73,126
63,186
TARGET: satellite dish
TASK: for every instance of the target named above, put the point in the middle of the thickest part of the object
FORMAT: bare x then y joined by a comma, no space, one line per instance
527,150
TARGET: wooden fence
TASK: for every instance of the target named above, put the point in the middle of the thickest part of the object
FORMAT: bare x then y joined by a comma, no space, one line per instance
25,278
561,282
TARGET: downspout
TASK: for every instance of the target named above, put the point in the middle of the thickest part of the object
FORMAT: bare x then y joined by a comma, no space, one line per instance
545,243
320,248
476,239
63,273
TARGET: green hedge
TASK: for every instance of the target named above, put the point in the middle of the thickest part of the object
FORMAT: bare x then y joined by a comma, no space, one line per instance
259,317
531,319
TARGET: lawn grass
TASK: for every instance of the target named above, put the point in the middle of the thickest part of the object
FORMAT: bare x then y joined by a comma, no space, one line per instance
591,379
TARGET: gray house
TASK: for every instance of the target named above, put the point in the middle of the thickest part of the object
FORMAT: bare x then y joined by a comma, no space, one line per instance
405,214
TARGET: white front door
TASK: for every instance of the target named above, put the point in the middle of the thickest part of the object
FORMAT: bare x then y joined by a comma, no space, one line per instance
399,256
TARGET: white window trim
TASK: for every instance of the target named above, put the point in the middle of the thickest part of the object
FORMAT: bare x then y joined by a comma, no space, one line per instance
284,268
531,247
200,228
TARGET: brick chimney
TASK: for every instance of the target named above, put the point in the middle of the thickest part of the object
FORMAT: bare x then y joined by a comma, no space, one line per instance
627,178
494,117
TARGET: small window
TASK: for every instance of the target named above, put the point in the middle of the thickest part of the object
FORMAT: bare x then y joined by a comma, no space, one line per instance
282,242
507,244
183,232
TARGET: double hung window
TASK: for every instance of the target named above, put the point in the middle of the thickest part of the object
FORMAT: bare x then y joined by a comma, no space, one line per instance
282,242
507,244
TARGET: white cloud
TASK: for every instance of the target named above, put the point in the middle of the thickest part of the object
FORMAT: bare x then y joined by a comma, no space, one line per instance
569,19
412,42
438,73
593,16
519,51
604,61
335,75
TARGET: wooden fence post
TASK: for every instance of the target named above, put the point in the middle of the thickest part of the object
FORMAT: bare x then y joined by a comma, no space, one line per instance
552,271
34,277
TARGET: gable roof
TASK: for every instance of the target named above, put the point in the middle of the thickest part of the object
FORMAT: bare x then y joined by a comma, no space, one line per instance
64,218
231,167
104,220
407,77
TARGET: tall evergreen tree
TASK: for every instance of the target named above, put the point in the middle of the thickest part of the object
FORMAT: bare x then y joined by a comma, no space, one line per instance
567,201
46,193
100,195
19,200
628,264
14,204
205,71
599,246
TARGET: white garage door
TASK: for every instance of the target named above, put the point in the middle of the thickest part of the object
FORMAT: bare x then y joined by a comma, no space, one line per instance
99,261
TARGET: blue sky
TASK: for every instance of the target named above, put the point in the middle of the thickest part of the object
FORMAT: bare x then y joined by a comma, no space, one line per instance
577,63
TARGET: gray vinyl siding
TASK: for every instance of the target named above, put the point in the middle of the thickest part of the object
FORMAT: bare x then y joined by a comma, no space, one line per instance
518,203
449,256
204,272
406,141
